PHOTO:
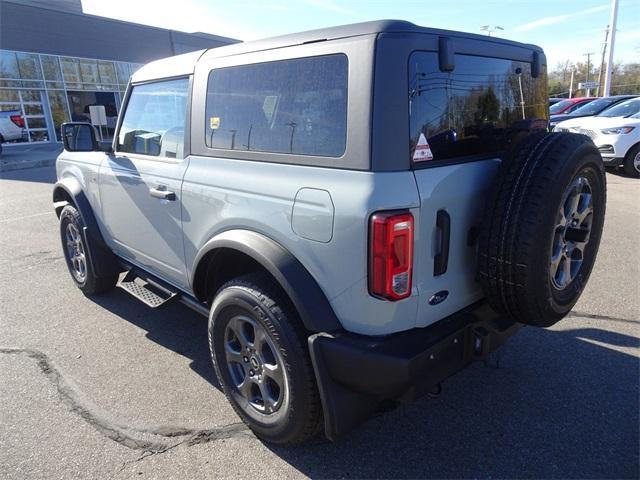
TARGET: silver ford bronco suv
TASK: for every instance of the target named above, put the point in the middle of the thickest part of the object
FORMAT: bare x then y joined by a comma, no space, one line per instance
360,212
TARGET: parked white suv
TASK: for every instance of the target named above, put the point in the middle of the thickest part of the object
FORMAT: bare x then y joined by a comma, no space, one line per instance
616,133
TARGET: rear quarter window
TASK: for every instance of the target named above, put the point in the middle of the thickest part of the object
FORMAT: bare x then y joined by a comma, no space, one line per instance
296,106
478,110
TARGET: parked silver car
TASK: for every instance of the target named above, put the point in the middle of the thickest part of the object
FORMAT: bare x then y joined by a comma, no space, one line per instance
360,212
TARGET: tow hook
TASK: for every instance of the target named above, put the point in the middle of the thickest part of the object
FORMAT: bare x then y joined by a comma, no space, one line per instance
435,392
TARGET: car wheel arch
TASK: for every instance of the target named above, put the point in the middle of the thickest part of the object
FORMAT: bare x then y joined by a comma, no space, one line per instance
265,253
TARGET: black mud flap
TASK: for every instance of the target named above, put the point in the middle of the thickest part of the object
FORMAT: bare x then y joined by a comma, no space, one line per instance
357,375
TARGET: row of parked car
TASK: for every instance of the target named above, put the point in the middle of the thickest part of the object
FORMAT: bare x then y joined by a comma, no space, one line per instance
613,123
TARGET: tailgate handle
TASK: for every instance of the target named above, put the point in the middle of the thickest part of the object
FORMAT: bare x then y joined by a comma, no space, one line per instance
441,260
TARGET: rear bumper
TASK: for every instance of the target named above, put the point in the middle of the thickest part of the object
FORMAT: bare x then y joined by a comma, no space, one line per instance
356,373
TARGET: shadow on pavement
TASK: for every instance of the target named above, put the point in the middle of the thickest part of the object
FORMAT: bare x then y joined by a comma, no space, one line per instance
558,404
40,175
619,172
173,326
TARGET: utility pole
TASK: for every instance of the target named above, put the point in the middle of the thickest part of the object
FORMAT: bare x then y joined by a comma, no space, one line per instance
571,85
588,55
604,51
612,38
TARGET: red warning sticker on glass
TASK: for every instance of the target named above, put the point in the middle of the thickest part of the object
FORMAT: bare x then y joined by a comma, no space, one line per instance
423,151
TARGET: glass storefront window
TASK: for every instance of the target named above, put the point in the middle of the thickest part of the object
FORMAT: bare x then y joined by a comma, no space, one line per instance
107,72
10,83
29,66
89,71
55,85
9,96
36,122
33,109
30,96
124,72
5,107
39,136
9,65
31,84
59,110
51,67
70,69
26,78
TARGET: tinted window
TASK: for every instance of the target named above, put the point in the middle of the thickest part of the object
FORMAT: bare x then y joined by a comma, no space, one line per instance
560,106
576,106
291,106
474,110
595,106
154,120
622,109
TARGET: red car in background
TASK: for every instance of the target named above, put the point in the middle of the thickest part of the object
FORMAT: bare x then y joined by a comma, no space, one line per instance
568,105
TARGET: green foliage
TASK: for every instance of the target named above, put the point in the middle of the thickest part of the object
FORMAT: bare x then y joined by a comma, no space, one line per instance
625,78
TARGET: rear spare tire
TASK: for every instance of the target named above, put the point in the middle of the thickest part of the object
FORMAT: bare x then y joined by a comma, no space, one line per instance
541,227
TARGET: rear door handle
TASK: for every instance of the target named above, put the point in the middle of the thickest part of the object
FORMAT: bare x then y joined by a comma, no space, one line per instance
441,260
162,193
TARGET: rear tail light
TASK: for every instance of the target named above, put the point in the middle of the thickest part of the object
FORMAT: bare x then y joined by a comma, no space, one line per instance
391,255
17,119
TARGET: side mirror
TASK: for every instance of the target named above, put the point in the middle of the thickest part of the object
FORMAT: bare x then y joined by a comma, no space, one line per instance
80,137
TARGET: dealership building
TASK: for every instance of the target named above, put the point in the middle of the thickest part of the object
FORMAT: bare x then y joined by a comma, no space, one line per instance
56,61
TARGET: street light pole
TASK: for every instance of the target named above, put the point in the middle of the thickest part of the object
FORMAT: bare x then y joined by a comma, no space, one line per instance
612,38
489,29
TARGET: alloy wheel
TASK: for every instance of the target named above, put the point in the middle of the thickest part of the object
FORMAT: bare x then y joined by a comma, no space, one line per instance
255,364
76,253
571,235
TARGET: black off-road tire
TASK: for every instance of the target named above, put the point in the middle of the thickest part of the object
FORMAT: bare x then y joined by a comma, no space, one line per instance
628,165
256,297
520,225
92,282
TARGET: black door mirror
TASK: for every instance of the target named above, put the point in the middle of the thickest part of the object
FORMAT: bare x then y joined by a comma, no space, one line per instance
79,137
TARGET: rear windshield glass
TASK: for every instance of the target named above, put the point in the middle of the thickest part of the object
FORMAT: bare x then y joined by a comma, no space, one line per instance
480,108
622,109
594,107
561,105
296,106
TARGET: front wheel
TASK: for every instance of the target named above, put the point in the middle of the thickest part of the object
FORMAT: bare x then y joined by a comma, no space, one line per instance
260,356
631,163
78,257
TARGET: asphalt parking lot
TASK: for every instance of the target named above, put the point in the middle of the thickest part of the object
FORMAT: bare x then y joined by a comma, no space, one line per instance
108,388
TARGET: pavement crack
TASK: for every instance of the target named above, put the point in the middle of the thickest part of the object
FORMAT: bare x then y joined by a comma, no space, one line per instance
153,440
594,316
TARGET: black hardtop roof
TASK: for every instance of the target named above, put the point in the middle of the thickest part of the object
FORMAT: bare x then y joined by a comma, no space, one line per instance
184,64
353,30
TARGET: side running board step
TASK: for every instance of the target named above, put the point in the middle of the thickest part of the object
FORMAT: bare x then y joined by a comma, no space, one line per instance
145,289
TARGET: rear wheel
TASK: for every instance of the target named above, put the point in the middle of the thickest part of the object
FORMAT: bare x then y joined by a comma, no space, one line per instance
631,162
259,351
542,226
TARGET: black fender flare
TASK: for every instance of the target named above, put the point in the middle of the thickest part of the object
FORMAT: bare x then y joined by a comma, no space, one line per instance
308,298
101,256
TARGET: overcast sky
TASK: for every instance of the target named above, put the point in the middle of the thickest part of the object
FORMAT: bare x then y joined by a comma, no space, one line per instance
566,29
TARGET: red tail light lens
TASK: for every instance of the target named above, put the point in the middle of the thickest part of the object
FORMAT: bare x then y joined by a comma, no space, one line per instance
17,119
391,255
